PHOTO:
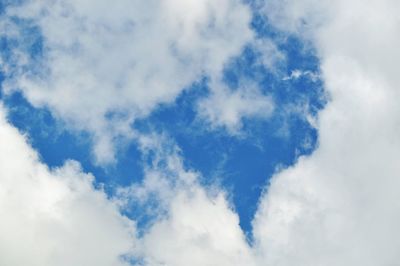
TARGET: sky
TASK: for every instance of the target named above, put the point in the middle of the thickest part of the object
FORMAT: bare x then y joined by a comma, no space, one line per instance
199,132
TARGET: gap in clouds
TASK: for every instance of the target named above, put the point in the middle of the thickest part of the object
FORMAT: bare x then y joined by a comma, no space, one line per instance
240,164
243,164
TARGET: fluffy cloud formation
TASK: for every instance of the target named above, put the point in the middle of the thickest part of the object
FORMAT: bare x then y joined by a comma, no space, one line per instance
189,224
106,64
55,217
337,207
340,206
200,230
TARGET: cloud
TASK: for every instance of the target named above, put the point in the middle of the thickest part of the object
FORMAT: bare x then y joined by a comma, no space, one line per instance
296,74
268,54
55,216
339,206
189,224
227,108
104,65
200,230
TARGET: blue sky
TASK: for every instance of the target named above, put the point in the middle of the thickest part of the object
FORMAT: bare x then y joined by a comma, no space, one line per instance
199,132
242,165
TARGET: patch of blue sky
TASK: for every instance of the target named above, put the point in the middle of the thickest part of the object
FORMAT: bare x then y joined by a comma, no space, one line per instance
242,165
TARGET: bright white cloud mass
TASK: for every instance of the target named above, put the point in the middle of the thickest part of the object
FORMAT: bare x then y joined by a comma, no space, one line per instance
106,65
54,217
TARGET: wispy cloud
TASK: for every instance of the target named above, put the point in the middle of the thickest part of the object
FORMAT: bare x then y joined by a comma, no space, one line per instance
125,58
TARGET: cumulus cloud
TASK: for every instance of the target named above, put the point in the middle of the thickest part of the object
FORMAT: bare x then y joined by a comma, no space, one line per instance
106,64
189,224
200,230
340,205
55,216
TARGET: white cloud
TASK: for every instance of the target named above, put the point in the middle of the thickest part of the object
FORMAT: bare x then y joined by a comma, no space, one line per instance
337,207
268,54
191,224
55,217
227,108
296,74
200,230
340,205
123,59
